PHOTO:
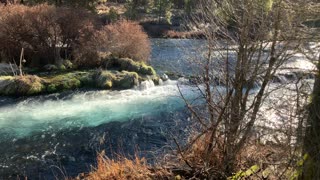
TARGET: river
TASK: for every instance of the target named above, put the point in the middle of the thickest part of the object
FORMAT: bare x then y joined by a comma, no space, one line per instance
58,135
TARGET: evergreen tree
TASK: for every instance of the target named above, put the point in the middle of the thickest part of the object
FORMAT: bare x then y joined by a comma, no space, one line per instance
163,9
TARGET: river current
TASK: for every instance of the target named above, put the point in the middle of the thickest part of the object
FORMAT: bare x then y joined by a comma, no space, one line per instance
58,135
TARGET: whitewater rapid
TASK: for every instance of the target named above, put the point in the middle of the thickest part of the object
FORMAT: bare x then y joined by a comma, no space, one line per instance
88,109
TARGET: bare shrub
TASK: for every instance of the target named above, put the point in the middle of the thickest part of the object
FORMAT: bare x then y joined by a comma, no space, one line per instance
86,42
76,25
32,28
89,51
50,34
242,48
43,31
127,39
14,30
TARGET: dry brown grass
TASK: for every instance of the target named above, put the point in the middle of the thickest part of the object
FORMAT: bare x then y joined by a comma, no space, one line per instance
275,160
123,169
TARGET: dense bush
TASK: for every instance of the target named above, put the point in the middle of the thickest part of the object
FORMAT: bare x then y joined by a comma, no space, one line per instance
43,31
127,39
50,34
123,39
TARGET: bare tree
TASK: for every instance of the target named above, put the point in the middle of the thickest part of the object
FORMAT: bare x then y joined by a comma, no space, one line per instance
311,144
246,43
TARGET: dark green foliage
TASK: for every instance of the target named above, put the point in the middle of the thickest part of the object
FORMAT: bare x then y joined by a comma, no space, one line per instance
63,82
132,10
126,80
104,79
163,10
127,64
114,79
112,15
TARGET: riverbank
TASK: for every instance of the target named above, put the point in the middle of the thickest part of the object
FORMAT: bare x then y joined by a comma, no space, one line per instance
115,73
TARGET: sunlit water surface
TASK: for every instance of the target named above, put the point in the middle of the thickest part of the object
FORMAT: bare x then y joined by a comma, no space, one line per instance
41,135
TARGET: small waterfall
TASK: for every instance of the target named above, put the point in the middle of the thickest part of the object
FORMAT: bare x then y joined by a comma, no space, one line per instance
146,84
279,78
160,82
291,76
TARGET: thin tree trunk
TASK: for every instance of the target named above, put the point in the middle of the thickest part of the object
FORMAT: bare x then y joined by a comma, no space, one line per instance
311,169
57,56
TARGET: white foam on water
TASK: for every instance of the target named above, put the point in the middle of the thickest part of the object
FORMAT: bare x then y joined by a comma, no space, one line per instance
91,108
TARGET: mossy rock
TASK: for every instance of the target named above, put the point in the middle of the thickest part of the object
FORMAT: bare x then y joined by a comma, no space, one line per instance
147,70
155,78
87,79
50,67
21,85
7,85
126,64
62,67
126,80
104,79
63,82
68,64
30,85
118,80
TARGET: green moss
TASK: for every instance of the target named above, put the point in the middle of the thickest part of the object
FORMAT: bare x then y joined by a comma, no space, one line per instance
126,64
104,79
7,85
68,64
87,79
156,80
19,86
129,65
126,74
63,82
51,88
126,80
50,67
115,79
5,78
108,84
147,70
62,67
35,86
